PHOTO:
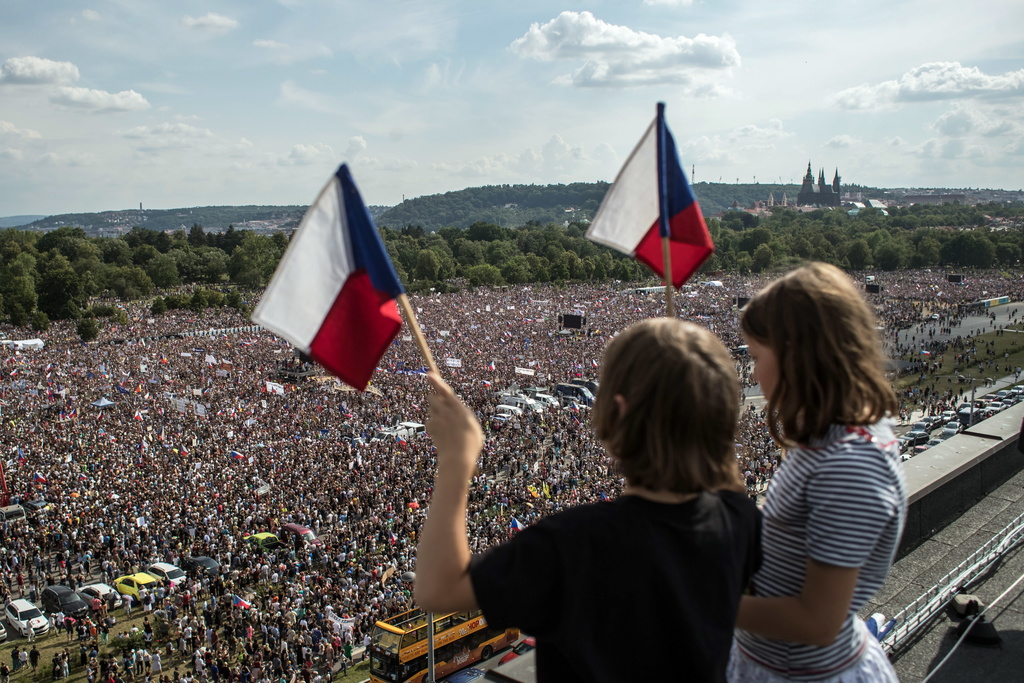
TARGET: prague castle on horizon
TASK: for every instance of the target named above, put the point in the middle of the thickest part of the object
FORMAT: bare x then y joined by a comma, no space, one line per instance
821,194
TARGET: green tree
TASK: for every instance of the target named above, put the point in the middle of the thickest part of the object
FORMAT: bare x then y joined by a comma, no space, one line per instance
88,329
763,258
159,306
427,265
484,274
858,254
40,321
163,271
130,282
61,295
253,261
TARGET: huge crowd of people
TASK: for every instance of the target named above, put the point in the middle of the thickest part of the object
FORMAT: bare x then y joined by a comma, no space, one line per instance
148,445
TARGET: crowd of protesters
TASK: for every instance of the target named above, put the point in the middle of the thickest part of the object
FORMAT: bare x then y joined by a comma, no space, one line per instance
149,446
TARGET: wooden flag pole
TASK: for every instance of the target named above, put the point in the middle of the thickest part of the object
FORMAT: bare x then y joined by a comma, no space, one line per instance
417,333
670,305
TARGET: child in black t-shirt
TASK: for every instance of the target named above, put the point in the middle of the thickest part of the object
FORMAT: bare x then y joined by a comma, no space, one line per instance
670,557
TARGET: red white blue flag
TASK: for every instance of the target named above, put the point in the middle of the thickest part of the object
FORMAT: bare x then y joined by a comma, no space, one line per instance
650,199
333,295
238,602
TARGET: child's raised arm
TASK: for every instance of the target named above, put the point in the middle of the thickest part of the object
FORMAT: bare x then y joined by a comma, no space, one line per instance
442,556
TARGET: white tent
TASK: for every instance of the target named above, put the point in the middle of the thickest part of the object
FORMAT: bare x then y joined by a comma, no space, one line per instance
19,344
102,403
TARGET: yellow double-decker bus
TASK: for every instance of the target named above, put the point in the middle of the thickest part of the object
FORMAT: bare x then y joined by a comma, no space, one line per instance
398,652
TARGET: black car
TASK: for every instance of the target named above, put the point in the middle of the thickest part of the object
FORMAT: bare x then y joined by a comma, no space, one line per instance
63,599
200,566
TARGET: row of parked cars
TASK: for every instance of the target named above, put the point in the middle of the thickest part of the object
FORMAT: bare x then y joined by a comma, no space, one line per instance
24,617
579,392
921,437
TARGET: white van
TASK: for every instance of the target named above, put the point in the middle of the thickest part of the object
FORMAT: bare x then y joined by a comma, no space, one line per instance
503,409
523,402
12,513
546,399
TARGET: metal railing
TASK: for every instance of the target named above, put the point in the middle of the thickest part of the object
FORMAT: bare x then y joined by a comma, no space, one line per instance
935,600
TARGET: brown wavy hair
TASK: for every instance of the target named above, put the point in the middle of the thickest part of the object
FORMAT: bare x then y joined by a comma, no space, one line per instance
678,430
825,338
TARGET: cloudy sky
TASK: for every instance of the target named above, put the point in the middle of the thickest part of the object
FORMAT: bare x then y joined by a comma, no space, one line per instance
108,103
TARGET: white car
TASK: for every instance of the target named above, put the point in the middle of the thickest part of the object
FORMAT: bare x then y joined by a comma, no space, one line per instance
168,573
100,591
22,615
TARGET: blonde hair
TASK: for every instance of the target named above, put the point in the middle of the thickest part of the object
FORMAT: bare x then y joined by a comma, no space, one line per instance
679,383
825,340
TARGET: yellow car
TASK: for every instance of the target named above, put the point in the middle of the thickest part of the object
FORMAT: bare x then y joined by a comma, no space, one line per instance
266,541
130,584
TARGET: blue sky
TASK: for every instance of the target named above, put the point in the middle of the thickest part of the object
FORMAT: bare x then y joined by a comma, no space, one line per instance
108,103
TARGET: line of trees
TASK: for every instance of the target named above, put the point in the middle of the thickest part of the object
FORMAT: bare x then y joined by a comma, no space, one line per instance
54,275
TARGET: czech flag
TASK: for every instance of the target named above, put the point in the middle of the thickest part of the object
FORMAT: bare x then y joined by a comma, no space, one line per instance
237,601
235,455
333,295
516,525
650,199
38,478
490,366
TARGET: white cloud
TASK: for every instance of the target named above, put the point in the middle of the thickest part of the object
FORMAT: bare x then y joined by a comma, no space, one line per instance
99,100
37,70
12,154
618,56
931,82
269,44
210,23
957,123
90,15
356,144
291,94
305,155
843,142
8,128
773,130
168,130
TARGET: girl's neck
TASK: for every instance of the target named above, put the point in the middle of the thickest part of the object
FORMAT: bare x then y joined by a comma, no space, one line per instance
658,496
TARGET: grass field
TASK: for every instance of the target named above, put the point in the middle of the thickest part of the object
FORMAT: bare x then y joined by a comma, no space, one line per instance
991,346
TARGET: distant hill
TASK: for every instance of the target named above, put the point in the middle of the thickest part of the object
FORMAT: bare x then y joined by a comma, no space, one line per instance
504,205
212,218
17,221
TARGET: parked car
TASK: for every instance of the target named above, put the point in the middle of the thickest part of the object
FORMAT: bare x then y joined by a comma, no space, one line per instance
522,648
266,541
935,442
3,632
199,566
912,439
922,426
167,573
62,599
96,592
298,531
22,615
131,584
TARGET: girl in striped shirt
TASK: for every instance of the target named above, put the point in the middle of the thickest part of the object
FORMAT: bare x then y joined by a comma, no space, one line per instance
836,508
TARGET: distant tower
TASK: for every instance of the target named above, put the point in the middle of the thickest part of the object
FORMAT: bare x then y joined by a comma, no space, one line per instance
140,206
835,183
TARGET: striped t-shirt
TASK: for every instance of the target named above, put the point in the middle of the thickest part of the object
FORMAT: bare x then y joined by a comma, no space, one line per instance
841,501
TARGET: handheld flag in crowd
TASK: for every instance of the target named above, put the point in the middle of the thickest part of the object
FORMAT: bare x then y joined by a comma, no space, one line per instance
333,295
38,478
651,199
516,525
238,602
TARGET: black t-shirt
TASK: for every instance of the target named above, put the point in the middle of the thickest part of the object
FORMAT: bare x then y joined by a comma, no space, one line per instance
626,590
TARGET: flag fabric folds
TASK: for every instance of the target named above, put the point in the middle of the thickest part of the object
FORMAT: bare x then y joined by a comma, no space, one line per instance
237,601
333,295
629,216
516,525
